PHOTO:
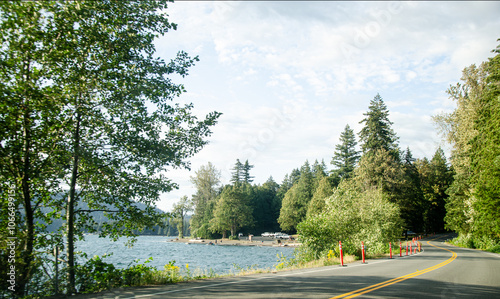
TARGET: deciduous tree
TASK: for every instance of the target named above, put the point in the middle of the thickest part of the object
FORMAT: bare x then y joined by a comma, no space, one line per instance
179,213
206,181
232,211
100,82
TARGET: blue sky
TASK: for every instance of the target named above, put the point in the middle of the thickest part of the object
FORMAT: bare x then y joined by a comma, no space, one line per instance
288,76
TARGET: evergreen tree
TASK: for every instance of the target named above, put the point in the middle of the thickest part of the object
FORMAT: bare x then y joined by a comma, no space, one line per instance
436,178
286,184
413,205
246,177
237,175
266,207
346,156
377,132
319,170
294,176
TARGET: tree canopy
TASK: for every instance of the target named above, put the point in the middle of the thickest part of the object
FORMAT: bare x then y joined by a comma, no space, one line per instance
377,132
346,156
87,105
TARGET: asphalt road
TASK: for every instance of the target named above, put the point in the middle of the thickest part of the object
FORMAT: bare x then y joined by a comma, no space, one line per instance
439,271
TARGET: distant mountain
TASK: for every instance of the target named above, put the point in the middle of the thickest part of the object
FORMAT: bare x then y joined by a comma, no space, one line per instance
99,218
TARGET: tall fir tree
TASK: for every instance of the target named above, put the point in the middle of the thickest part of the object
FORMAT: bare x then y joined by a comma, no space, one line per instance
246,177
237,174
413,204
436,178
377,132
346,156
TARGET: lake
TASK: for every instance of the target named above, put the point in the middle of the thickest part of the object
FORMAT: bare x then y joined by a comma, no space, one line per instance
218,258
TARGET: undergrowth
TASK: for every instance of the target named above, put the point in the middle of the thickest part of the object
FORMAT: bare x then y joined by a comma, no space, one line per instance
469,241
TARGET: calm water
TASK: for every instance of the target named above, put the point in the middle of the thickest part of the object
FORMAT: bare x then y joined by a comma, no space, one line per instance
218,258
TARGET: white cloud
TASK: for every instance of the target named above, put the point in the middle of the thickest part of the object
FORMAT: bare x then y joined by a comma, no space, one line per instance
288,76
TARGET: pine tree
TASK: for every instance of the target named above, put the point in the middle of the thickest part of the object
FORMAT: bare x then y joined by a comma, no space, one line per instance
377,132
412,204
237,174
246,177
436,179
266,206
346,156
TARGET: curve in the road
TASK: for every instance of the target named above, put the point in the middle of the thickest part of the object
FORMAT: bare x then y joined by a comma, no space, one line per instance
399,279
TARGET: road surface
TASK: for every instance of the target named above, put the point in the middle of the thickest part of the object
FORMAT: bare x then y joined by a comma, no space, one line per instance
439,271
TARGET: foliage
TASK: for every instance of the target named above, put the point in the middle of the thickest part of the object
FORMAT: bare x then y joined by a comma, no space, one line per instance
485,155
87,105
415,206
241,172
179,213
458,130
353,214
296,201
232,211
266,207
472,130
380,169
436,178
346,156
31,129
206,181
322,192
96,275
377,132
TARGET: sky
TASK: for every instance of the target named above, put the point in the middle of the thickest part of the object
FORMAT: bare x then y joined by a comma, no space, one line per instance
289,76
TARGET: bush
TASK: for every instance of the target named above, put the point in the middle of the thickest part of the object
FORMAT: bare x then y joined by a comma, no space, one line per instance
351,215
96,275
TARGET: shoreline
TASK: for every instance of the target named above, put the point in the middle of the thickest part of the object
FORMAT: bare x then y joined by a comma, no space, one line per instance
256,241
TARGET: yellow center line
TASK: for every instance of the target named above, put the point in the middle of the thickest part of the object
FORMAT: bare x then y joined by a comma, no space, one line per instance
398,279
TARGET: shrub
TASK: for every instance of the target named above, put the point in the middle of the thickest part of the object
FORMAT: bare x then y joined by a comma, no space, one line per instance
351,215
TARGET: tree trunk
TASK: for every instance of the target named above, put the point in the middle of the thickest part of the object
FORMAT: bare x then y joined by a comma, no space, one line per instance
181,231
70,210
27,253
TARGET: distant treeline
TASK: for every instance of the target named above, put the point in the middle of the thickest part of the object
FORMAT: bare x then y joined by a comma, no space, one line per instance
167,227
415,187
